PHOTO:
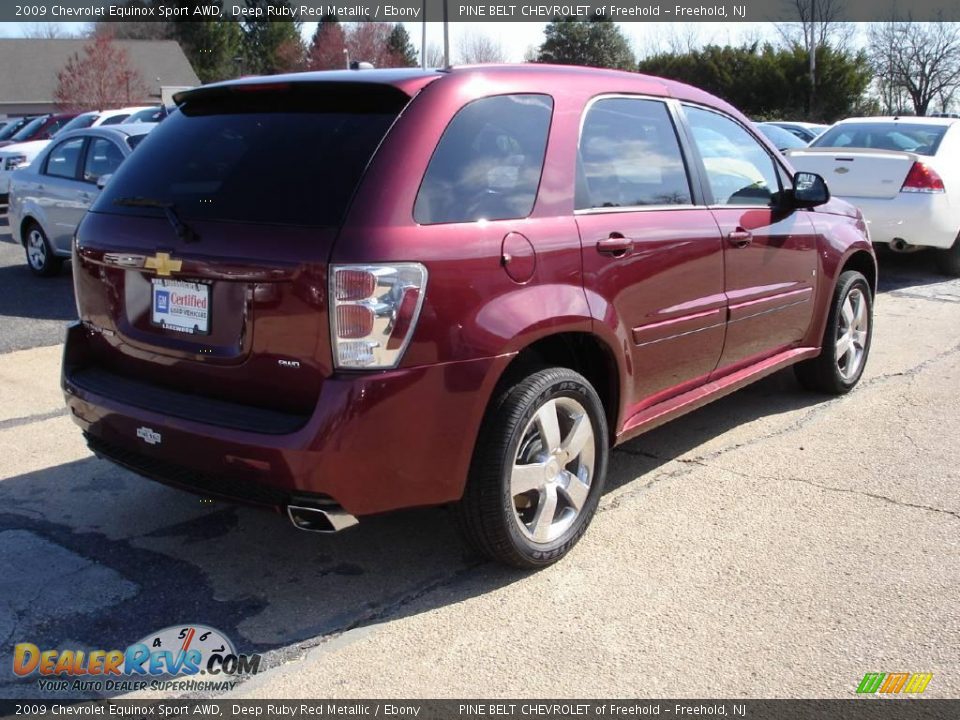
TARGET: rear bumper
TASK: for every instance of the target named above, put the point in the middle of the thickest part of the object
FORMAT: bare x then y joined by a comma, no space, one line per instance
375,442
926,219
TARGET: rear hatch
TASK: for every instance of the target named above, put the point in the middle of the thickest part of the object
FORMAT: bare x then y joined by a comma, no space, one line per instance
855,173
201,268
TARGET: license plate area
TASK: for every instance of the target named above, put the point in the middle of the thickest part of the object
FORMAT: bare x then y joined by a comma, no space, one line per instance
180,306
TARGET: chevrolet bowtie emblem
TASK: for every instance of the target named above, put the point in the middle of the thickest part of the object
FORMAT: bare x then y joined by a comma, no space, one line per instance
162,263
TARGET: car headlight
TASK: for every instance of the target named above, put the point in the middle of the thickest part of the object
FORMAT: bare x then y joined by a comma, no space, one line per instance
12,162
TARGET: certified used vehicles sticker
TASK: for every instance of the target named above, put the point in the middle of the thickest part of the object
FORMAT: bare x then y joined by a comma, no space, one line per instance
171,659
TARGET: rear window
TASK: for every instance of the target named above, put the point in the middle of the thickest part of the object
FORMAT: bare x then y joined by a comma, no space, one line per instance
915,138
134,140
289,155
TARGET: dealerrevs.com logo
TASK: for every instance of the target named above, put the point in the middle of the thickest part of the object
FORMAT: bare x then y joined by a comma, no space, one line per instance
171,659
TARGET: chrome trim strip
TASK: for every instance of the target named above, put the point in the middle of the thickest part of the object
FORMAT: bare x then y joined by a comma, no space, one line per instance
680,335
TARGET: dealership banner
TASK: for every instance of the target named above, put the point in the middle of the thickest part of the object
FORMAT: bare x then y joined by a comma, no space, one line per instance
855,709
462,10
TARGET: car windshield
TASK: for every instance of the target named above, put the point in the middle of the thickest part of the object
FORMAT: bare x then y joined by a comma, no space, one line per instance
147,115
79,122
29,129
290,158
909,137
783,139
10,129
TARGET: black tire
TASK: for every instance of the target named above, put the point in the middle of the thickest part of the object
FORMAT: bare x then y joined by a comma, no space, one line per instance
948,260
40,257
827,373
488,515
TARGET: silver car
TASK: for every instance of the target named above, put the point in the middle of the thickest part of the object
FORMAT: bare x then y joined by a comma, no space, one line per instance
50,195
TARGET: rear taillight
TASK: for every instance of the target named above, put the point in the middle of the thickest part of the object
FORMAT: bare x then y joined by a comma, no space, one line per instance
922,178
373,312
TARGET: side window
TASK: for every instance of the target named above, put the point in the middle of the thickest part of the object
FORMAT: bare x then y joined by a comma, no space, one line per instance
63,160
739,169
629,156
103,158
488,163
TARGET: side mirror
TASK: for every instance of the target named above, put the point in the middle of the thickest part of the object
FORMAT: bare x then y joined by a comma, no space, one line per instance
809,190
103,180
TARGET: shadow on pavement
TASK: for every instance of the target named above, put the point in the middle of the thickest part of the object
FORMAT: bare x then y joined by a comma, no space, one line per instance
97,557
27,296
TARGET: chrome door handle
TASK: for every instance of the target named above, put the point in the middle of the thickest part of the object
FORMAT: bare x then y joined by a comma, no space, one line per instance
616,245
740,238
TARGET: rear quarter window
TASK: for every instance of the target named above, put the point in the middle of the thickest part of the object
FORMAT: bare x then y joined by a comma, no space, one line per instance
908,137
488,163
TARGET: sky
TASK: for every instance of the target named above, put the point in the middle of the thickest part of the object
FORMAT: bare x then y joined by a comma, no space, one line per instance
515,38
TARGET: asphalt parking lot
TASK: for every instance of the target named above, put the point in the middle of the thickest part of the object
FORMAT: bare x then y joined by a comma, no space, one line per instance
773,544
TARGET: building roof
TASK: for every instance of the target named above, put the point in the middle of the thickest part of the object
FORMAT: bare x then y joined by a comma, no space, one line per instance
30,66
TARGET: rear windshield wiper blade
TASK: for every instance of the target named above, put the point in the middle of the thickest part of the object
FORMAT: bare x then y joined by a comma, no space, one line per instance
184,231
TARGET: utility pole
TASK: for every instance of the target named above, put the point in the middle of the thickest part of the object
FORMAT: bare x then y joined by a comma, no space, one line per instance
423,39
446,37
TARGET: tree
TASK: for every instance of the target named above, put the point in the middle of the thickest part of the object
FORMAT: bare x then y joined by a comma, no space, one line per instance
98,77
919,62
771,83
135,29
819,26
477,49
368,42
328,45
272,46
45,31
402,51
434,56
595,42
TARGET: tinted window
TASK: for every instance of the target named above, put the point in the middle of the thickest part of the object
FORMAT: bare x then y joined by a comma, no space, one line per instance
739,170
488,162
29,129
80,122
10,129
629,156
920,139
290,156
115,120
781,138
64,158
103,158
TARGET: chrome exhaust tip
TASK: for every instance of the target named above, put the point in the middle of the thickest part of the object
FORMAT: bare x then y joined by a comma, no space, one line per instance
329,519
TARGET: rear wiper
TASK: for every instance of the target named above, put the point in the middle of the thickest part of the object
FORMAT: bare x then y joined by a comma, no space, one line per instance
184,231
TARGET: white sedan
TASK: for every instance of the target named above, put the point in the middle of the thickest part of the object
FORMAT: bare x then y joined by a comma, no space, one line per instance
904,175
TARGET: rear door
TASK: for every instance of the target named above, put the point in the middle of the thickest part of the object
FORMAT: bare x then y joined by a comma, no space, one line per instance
769,255
64,194
649,252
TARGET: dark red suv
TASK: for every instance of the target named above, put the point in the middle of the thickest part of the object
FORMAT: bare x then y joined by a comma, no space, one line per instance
343,293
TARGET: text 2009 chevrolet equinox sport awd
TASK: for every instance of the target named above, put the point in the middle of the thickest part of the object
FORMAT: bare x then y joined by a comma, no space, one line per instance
343,293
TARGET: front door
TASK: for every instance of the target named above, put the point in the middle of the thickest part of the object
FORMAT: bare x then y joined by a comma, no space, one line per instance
652,259
770,258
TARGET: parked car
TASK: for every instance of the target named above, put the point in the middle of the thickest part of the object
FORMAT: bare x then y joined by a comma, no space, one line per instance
804,130
40,128
151,114
16,156
459,287
96,118
13,126
49,197
783,139
903,173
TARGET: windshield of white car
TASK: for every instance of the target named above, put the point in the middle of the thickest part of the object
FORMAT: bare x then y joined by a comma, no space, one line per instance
907,137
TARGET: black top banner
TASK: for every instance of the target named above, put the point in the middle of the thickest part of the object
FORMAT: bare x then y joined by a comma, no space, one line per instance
872,708
466,11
